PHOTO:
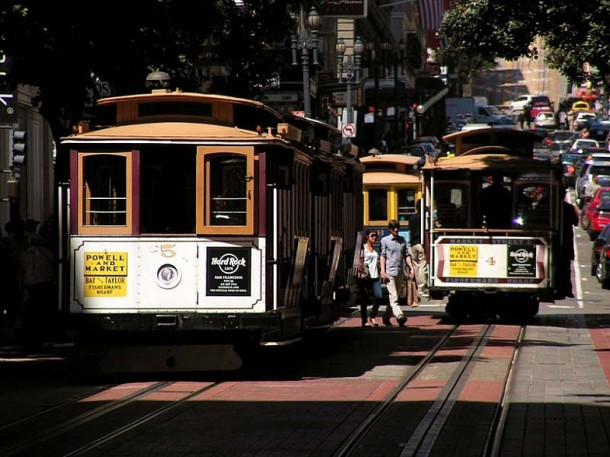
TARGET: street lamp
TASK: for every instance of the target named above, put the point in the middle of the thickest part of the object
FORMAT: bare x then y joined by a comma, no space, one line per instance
158,80
352,69
306,41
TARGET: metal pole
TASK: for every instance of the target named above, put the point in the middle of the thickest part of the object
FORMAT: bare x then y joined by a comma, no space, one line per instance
376,104
306,90
349,100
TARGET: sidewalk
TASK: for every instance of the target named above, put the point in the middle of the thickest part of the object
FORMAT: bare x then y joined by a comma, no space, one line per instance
559,401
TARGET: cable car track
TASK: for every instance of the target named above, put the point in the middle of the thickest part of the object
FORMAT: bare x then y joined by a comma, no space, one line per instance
55,431
421,441
136,423
416,403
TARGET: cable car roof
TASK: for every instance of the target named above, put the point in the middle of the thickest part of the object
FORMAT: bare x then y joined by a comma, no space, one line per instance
167,95
520,142
492,159
169,131
390,158
385,177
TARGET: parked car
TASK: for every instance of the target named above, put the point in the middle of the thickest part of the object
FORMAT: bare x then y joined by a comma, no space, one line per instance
597,164
598,130
566,137
596,213
603,271
545,119
581,143
516,106
540,107
559,147
580,106
582,119
596,247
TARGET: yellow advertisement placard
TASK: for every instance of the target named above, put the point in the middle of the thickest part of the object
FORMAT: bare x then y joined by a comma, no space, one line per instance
463,260
105,264
463,269
105,274
464,252
109,286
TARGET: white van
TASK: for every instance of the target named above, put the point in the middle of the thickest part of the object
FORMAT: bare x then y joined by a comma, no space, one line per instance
517,105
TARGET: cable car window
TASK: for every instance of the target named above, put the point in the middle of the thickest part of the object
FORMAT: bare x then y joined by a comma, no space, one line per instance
378,205
228,186
533,205
226,189
167,190
406,203
104,196
451,204
104,193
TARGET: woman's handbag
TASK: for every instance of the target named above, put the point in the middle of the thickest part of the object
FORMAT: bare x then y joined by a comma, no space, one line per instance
412,297
363,268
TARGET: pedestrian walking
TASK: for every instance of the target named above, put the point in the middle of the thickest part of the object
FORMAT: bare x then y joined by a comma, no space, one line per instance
527,115
369,280
418,254
565,256
396,265
562,120
571,117
521,119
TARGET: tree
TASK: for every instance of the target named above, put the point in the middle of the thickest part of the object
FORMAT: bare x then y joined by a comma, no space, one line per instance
63,47
574,33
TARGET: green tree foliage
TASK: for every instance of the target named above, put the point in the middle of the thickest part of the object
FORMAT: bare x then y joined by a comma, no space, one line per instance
573,33
63,47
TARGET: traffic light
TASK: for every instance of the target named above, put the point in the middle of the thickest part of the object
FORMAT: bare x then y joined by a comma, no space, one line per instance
19,152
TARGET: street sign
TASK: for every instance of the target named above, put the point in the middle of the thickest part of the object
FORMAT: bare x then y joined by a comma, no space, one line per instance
7,99
349,131
285,97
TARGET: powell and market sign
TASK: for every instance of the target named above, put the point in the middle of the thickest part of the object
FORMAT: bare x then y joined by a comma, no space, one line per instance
7,100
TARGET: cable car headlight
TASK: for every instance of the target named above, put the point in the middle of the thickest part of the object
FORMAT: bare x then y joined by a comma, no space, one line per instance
168,276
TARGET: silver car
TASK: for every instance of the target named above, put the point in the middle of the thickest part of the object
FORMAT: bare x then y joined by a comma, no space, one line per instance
597,164
545,120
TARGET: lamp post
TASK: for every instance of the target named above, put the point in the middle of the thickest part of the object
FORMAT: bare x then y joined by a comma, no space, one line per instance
306,41
373,62
352,68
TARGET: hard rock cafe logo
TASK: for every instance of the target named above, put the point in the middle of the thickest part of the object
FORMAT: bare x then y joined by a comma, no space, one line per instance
522,255
229,263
